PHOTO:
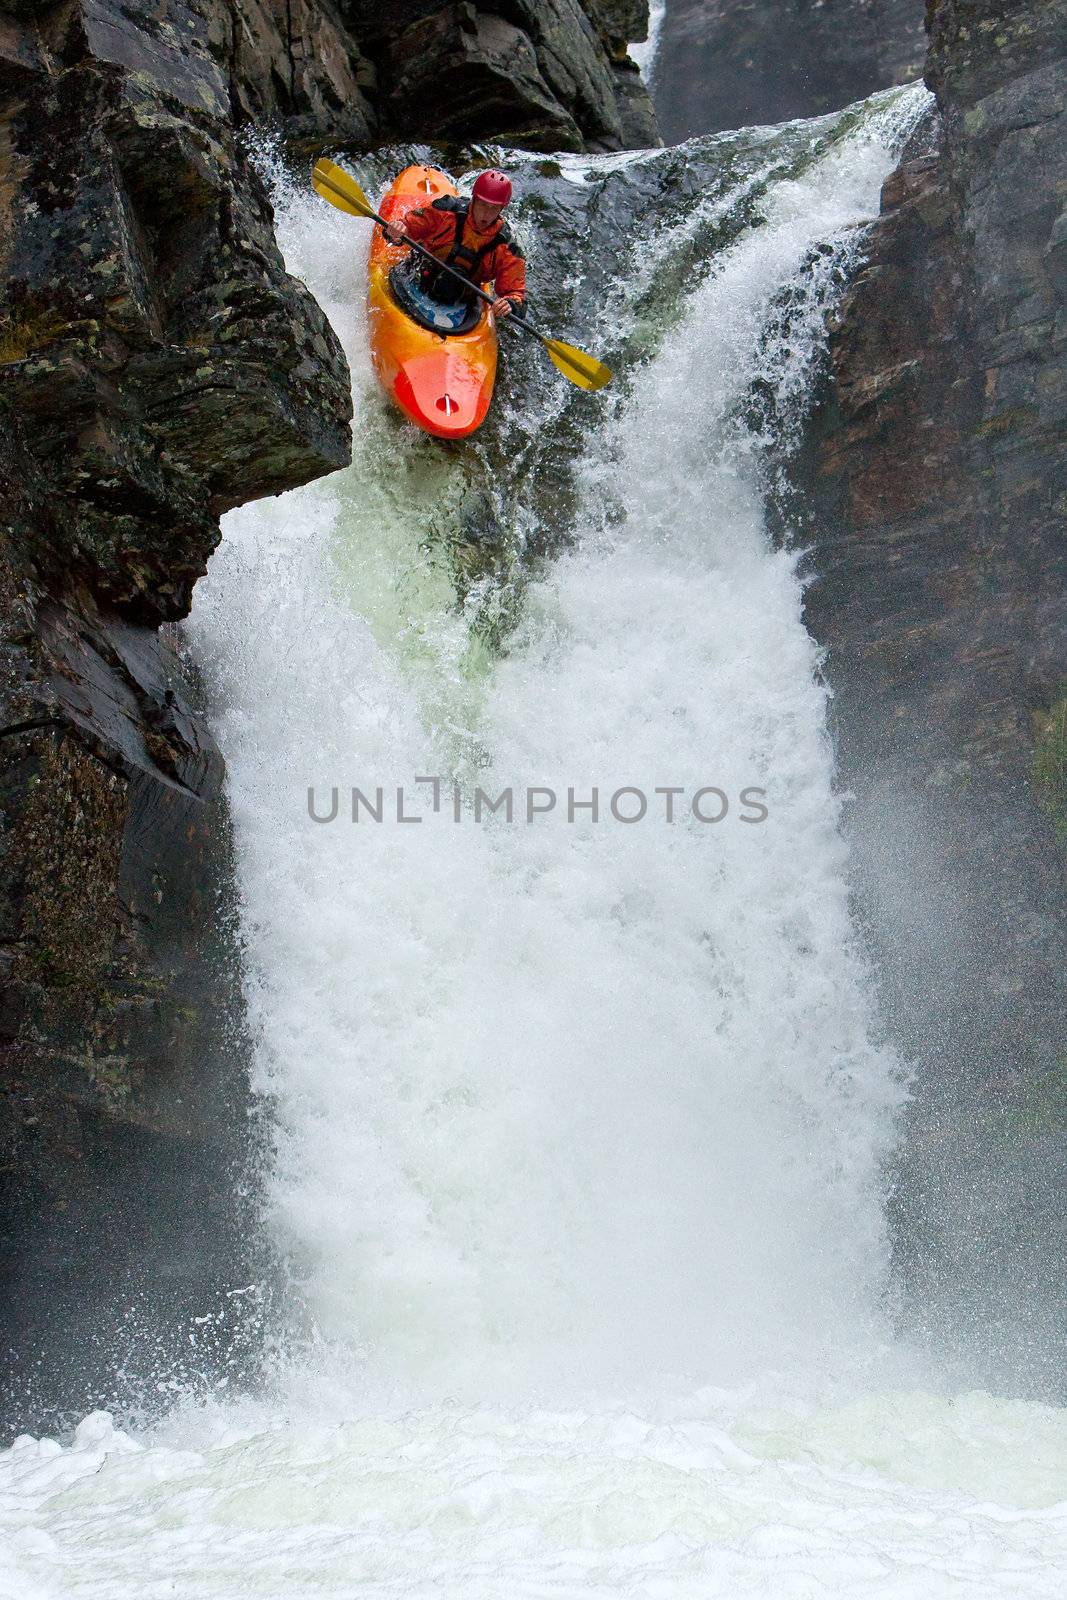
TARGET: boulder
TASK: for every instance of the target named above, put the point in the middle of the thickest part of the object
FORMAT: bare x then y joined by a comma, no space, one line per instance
296,66
475,75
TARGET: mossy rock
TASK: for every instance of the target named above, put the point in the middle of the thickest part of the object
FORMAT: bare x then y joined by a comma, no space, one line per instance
22,335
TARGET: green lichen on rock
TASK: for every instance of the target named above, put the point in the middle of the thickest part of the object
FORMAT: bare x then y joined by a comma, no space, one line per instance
1005,422
22,334
1050,761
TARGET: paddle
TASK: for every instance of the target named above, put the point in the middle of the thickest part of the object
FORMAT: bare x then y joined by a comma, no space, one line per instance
337,186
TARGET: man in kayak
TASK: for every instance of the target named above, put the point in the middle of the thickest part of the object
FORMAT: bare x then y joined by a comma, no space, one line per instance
472,237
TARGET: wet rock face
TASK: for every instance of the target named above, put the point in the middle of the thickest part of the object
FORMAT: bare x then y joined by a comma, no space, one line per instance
736,63
535,81
541,74
296,65
941,573
157,366
1001,83
125,1135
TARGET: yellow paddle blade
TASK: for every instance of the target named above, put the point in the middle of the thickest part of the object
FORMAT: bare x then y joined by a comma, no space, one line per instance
582,369
340,189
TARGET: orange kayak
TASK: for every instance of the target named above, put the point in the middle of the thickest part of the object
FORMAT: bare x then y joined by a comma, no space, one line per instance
442,382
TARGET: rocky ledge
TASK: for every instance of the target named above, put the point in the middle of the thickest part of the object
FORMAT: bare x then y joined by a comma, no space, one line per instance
541,74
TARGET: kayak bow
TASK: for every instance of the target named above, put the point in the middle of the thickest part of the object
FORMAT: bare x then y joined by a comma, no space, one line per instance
441,382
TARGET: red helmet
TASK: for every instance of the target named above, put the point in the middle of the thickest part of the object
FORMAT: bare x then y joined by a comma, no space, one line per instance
492,187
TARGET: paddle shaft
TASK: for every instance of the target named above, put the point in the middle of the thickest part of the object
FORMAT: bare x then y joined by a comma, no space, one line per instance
576,365
420,249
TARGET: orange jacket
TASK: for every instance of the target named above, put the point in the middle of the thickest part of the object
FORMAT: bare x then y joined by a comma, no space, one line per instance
501,259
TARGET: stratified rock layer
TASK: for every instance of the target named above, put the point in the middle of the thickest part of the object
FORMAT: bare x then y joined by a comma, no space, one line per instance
942,594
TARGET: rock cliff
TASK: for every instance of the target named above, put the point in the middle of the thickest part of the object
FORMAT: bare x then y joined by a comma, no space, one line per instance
542,74
157,366
940,577
734,63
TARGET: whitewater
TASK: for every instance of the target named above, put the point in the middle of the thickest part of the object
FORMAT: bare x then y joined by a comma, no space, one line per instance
579,1127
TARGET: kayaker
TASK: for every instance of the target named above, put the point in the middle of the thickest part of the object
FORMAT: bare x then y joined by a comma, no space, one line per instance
471,236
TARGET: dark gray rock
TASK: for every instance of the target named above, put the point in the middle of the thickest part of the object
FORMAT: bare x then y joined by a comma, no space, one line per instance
125,1123
618,22
161,364
637,115
157,366
491,87
735,63
540,74
575,65
296,65
939,483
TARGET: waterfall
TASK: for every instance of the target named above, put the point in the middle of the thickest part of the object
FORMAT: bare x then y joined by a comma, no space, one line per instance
645,52
565,1101
580,1124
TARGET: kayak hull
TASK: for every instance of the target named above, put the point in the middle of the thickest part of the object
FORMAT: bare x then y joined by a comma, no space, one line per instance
442,383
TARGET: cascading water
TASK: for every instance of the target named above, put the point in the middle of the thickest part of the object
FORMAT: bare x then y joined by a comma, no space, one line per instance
645,54
580,1124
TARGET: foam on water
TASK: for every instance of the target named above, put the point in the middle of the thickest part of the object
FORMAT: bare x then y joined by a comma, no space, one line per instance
563,1102
734,1496
580,1126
